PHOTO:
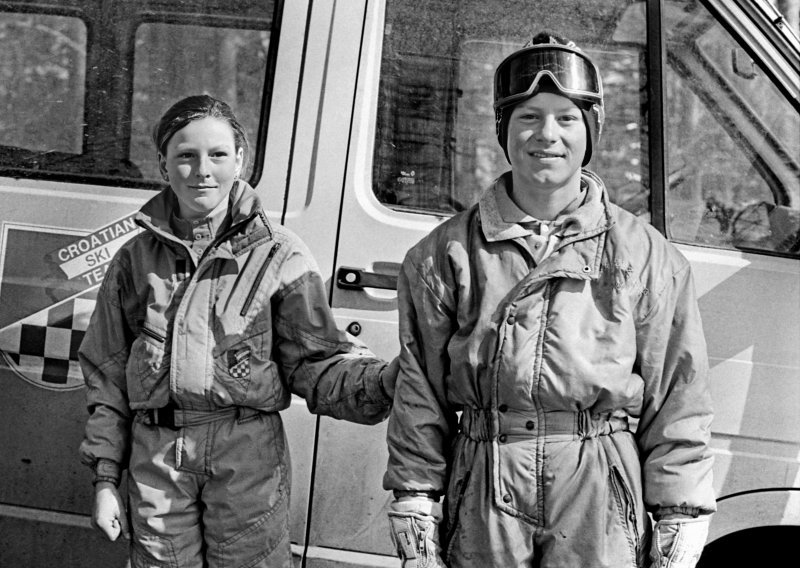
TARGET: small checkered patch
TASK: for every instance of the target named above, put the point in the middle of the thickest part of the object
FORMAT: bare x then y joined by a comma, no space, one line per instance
239,363
43,347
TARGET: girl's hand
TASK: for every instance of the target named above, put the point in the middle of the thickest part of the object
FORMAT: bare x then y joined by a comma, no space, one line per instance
109,512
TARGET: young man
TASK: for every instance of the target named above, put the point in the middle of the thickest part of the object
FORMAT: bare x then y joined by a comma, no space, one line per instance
550,319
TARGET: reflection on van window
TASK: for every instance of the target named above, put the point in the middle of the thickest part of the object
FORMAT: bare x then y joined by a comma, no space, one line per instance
42,77
435,145
79,96
173,61
733,141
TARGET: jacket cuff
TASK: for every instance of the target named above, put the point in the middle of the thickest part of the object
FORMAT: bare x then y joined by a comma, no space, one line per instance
692,512
404,494
375,389
106,470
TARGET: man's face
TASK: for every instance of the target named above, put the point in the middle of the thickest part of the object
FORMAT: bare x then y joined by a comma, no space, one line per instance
546,141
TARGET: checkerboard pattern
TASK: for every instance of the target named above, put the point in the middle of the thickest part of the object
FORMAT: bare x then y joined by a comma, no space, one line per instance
239,363
43,348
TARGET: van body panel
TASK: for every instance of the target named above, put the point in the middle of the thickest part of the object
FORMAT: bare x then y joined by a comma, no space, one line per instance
371,123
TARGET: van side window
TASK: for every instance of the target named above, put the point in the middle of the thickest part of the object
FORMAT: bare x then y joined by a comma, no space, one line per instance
85,81
41,86
733,142
435,145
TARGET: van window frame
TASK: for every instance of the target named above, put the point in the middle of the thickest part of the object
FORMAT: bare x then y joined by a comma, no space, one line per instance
117,97
746,27
658,199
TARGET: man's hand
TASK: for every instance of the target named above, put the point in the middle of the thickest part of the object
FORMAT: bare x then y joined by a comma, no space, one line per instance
415,532
678,542
109,511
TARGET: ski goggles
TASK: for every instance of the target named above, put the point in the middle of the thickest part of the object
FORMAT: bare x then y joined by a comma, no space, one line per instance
573,73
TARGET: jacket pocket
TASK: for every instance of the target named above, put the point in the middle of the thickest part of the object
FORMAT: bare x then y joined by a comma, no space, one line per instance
464,452
516,487
246,376
262,270
147,363
626,507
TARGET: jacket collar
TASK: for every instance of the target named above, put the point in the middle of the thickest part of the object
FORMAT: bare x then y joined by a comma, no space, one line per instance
591,218
249,225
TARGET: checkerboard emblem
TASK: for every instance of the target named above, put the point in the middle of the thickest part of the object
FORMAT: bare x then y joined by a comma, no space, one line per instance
239,363
43,347
49,280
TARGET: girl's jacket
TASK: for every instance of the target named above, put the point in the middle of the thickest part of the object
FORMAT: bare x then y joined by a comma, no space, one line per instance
608,326
247,325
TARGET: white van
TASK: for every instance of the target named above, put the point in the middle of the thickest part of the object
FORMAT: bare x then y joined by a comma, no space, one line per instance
372,122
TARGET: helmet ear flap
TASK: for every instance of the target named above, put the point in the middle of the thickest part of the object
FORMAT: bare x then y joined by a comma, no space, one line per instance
593,118
501,120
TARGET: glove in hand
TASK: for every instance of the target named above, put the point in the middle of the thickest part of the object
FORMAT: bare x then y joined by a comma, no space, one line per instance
415,532
678,543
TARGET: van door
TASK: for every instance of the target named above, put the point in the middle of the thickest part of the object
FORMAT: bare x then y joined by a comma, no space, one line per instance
422,147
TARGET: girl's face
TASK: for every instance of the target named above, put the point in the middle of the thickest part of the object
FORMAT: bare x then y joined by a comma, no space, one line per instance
201,164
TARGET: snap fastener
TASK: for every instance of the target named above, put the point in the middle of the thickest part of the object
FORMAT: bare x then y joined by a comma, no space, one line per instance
502,407
511,319
530,425
503,438
506,498
587,268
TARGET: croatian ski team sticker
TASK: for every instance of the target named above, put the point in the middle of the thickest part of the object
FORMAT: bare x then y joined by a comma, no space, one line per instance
48,285
87,258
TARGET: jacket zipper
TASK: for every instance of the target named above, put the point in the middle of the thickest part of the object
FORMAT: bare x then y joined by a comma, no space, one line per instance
152,334
451,530
626,505
257,282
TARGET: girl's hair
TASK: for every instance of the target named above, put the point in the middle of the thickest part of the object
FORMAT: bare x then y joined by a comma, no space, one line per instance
193,108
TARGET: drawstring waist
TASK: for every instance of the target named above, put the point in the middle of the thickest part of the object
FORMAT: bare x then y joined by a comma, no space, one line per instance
174,418
478,424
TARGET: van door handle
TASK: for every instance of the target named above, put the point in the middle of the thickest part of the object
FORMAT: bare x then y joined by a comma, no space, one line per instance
357,279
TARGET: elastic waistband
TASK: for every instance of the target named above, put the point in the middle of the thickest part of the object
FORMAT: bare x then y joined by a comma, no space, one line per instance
174,418
478,424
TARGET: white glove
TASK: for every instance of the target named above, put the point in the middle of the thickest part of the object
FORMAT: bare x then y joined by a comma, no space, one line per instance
415,532
678,543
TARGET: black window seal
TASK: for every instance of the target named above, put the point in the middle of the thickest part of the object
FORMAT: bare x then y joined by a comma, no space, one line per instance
656,54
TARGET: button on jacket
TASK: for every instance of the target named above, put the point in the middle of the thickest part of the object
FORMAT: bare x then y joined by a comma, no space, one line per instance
551,403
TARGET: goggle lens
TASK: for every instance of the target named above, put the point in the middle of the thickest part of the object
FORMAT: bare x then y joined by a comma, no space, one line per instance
574,74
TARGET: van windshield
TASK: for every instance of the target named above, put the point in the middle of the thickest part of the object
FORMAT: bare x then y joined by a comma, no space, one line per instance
732,138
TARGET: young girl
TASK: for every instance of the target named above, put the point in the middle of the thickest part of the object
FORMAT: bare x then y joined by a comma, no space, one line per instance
205,325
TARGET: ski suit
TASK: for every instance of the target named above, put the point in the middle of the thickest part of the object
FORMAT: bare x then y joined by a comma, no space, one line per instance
187,365
552,404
